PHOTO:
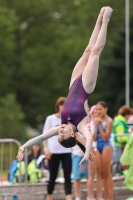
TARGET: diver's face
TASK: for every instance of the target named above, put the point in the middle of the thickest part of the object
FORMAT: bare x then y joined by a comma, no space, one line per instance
65,132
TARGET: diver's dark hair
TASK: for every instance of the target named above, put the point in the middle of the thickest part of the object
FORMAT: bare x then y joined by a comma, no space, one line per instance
69,142
81,146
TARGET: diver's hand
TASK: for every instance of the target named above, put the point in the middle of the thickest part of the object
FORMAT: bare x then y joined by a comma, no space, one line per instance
20,155
84,163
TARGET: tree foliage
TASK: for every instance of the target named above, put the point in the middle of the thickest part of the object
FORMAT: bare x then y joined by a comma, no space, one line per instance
11,119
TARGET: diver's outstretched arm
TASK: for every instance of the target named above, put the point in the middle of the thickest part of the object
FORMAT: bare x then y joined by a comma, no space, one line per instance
82,127
36,140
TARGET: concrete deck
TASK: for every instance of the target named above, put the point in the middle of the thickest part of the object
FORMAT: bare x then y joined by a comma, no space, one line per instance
38,191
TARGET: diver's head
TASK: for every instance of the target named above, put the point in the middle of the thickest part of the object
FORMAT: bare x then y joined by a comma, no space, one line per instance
67,136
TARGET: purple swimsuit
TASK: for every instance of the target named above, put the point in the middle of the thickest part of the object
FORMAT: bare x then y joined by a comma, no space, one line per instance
73,109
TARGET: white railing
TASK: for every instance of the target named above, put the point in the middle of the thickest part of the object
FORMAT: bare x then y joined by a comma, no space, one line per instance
4,168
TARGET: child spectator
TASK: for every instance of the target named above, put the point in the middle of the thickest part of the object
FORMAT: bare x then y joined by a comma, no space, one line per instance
77,156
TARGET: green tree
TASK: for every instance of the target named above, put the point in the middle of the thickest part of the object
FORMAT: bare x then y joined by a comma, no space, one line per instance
8,23
11,119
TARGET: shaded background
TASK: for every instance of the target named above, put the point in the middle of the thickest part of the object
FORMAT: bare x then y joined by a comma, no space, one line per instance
40,43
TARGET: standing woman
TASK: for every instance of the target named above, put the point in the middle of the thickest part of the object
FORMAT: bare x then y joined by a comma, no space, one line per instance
103,129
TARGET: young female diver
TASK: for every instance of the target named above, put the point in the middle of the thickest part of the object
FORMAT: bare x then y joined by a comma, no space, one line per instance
83,81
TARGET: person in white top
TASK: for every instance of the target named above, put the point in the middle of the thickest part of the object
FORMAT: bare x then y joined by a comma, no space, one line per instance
92,167
56,153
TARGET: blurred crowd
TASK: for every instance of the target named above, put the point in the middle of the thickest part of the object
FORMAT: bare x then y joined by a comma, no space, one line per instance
110,137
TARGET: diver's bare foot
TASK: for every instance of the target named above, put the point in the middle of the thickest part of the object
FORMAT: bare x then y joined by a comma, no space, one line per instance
100,17
107,13
102,10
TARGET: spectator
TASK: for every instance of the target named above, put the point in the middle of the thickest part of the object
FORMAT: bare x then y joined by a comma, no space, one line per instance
103,129
77,156
35,152
92,165
56,153
41,161
34,171
119,127
127,159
